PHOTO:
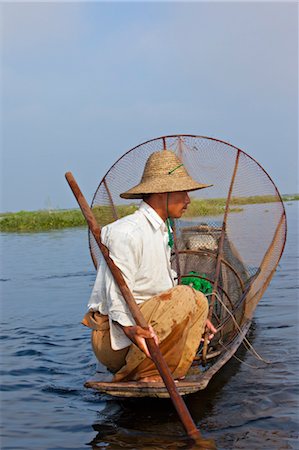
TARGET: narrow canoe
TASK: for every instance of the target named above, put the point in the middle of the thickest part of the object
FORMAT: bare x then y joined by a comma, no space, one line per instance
194,381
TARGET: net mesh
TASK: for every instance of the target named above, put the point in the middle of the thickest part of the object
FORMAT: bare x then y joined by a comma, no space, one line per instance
238,224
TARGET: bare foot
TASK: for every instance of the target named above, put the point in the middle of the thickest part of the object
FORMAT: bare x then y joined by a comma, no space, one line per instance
154,378
157,378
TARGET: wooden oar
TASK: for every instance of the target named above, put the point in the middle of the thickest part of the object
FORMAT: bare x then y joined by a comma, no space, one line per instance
154,350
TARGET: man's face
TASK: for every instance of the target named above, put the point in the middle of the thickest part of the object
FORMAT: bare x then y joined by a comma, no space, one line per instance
177,203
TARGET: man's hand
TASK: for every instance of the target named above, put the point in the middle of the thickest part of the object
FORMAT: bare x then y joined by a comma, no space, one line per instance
138,335
210,327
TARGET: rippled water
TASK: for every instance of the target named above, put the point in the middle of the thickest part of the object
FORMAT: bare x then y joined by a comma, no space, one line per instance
46,357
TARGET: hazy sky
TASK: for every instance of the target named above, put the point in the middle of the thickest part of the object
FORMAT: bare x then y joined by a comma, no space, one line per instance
82,83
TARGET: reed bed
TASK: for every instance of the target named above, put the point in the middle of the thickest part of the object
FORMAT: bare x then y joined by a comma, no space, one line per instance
45,220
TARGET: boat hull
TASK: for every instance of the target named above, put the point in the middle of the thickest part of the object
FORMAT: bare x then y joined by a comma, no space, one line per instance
191,384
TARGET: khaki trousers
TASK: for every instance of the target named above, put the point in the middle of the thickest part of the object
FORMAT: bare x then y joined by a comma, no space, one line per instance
178,317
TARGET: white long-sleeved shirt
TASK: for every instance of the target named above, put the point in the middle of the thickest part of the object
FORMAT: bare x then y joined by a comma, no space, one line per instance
138,245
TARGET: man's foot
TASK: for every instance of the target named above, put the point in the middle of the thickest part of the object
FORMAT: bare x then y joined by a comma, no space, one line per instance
157,378
154,378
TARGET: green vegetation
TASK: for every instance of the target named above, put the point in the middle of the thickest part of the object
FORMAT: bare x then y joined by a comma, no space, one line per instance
208,207
104,214
41,220
31,221
216,206
262,199
290,197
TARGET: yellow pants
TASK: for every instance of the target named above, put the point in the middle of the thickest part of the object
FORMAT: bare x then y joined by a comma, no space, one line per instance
178,317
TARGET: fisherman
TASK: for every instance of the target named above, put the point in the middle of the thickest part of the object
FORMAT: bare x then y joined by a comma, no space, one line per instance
140,245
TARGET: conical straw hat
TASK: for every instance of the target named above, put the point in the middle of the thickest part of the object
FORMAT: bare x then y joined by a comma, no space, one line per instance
163,172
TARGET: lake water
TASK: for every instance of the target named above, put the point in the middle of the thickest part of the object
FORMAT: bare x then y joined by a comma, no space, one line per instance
46,357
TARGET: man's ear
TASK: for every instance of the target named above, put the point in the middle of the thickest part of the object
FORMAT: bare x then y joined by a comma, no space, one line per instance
162,199
162,195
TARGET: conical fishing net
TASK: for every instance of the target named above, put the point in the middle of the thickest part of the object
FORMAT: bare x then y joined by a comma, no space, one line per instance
232,233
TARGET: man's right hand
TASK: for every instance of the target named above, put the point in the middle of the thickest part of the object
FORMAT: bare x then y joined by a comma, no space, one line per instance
138,335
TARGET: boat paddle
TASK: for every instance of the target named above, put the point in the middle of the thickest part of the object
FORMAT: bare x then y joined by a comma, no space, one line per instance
154,350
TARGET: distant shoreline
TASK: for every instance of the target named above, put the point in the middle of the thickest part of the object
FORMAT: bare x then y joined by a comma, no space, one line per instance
46,220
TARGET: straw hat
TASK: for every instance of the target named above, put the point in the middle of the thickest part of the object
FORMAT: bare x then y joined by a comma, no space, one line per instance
163,172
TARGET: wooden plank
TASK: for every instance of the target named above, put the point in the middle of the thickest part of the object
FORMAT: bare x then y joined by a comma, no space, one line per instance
139,389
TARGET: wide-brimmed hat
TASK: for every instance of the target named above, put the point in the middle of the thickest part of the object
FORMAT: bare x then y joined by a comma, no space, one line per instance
163,172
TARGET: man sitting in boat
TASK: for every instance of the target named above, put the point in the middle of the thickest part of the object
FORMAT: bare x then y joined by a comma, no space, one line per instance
140,245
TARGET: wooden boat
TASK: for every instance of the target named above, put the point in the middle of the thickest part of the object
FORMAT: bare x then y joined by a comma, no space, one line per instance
233,237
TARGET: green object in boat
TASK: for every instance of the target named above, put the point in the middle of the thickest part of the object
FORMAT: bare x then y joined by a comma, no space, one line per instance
200,284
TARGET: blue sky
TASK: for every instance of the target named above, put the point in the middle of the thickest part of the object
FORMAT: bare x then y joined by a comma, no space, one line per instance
82,83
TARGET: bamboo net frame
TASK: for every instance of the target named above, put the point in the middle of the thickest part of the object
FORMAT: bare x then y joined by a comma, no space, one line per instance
236,246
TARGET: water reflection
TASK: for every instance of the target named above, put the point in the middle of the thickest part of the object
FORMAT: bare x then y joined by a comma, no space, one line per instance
147,423
233,411
47,357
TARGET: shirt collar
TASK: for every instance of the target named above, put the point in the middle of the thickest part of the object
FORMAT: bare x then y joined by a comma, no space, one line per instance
152,216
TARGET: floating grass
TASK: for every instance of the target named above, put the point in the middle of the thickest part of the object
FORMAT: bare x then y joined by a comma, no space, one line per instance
262,199
29,221
44,220
209,207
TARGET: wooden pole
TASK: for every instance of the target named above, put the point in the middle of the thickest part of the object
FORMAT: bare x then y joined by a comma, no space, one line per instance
154,350
219,257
